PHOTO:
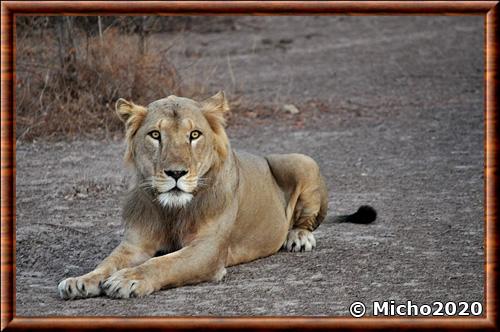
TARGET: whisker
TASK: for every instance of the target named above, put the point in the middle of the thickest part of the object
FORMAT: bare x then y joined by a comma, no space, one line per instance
146,183
202,184
159,179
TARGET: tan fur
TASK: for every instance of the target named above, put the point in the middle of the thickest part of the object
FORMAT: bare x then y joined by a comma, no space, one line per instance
228,208
132,115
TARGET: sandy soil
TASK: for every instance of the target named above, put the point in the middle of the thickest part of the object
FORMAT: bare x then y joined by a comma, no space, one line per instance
392,110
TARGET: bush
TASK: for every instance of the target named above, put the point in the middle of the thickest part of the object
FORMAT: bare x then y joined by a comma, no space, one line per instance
67,80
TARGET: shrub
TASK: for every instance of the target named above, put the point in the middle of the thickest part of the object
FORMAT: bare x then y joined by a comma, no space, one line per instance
67,90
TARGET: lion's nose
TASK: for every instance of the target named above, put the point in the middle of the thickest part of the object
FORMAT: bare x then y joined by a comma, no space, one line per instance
175,174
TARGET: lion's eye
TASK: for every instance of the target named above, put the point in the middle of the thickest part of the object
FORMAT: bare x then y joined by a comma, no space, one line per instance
155,134
195,134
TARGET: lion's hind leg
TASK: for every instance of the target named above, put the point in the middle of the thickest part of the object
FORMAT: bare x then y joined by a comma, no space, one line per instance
300,179
309,212
299,239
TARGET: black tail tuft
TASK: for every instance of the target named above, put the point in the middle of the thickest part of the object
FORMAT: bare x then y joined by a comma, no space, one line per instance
365,215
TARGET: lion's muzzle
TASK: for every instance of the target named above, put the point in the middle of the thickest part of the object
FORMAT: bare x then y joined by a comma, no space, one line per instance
175,189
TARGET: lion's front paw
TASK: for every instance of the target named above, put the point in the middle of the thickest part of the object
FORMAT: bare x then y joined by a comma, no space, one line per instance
127,283
87,285
299,240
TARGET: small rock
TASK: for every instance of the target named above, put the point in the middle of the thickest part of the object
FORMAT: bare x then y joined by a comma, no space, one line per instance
251,115
317,277
285,41
292,109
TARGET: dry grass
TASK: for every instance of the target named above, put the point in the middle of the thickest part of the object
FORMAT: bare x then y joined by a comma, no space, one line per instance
78,99
69,94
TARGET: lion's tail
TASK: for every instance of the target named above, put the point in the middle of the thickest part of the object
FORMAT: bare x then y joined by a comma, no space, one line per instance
365,215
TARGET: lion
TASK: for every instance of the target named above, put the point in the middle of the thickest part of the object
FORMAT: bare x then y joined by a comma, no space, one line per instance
197,206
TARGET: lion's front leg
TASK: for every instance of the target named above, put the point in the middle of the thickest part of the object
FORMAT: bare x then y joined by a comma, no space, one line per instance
128,253
190,265
202,259
88,285
126,283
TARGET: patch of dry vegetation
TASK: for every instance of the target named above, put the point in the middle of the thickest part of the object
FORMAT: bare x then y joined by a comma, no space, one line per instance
67,80
71,70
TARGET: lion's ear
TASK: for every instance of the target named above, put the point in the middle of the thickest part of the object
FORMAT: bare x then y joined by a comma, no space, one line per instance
217,103
214,109
126,109
132,115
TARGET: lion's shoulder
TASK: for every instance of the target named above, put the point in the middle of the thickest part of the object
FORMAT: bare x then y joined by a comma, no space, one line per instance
251,162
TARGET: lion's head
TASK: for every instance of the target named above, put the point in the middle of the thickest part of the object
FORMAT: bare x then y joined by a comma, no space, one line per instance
174,143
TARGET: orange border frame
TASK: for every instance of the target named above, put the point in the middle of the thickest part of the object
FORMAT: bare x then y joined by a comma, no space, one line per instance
9,9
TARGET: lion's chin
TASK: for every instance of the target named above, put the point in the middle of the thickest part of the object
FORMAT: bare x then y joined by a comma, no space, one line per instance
174,199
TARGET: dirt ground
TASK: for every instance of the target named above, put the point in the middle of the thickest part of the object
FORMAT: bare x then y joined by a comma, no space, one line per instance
390,107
